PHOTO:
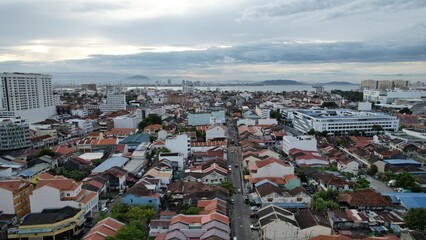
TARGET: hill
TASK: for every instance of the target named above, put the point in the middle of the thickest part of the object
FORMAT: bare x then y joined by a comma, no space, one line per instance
281,82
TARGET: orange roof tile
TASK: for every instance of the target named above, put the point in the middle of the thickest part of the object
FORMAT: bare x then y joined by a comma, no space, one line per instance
276,180
269,160
14,185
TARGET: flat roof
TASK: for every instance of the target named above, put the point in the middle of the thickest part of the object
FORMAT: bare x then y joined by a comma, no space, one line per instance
341,113
409,200
402,162
109,163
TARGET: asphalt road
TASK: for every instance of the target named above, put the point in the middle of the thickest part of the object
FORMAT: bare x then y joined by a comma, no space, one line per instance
240,214
378,186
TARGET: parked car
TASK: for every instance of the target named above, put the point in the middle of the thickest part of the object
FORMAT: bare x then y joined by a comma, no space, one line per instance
254,227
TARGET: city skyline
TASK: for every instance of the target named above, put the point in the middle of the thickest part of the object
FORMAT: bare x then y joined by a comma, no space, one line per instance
303,40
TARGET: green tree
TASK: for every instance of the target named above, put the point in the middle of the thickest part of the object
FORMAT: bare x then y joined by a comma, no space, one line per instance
132,231
362,183
329,105
328,195
377,128
276,115
311,132
405,111
229,186
45,151
416,219
97,162
405,180
150,119
372,170
191,211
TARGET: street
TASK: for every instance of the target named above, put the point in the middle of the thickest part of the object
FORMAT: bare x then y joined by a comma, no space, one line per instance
378,186
240,215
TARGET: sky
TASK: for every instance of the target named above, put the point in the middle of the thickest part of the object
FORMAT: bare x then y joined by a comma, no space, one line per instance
215,40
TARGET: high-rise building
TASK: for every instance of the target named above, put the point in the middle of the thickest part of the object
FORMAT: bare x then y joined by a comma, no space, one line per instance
26,95
14,134
115,101
385,84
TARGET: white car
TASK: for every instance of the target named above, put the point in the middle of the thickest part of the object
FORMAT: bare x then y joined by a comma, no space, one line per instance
104,210
254,227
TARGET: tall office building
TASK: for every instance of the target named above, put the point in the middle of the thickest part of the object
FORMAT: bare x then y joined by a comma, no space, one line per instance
114,101
26,95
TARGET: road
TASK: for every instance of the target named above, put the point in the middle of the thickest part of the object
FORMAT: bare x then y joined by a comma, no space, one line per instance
378,186
240,214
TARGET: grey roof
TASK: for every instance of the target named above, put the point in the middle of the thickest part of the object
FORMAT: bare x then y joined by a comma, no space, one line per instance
135,139
109,163
272,217
49,216
272,209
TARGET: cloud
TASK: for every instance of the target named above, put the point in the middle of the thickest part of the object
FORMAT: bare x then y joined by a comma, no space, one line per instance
324,9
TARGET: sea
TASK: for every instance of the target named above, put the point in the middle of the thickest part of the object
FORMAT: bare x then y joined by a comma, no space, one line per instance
267,88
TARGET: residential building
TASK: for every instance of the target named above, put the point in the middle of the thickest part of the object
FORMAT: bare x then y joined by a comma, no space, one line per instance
304,143
343,121
14,197
85,125
131,120
209,226
180,144
206,118
59,223
175,159
103,229
366,199
216,132
278,223
348,165
14,134
208,174
270,167
390,96
58,192
263,112
113,102
139,194
26,95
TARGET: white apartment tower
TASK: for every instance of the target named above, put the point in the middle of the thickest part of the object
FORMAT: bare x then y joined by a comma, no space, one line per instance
113,102
26,95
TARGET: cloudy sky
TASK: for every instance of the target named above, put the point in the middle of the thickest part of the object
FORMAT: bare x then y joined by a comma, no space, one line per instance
306,40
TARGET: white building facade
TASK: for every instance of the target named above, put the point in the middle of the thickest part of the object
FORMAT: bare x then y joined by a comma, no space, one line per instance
305,143
343,121
26,95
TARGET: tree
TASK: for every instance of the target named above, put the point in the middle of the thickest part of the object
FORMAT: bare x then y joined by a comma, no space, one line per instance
372,170
405,111
405,180
362,183
132,231
276,115
311,132
150,119
229,186
416,219
191,211
329,105
324,133
45,151
97,162
377,128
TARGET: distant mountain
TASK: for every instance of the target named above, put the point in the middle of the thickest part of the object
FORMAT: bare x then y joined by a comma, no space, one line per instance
281,82
339,83
138,78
